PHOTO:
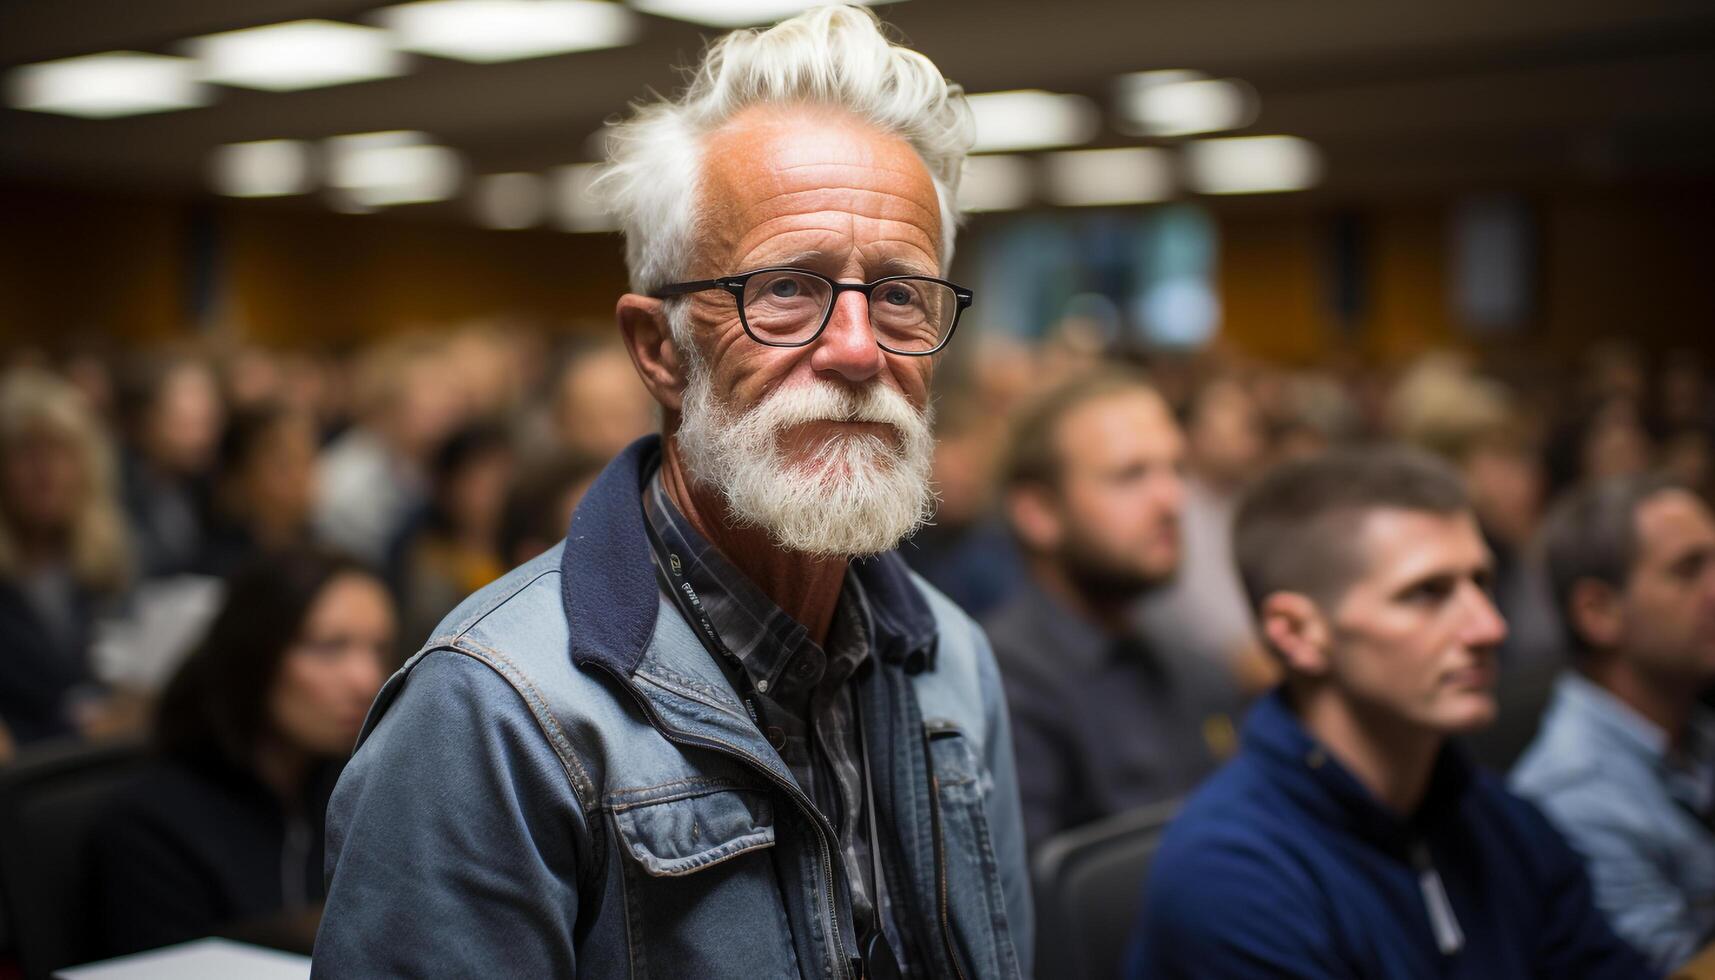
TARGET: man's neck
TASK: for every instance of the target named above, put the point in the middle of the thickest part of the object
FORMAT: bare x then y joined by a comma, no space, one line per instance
1112,616
1666,704
806,587
1391,758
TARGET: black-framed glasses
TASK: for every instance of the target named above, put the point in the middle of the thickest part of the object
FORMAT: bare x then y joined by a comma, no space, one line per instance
787,307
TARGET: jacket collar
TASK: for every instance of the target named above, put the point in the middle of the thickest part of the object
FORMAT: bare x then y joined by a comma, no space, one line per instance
1314,778
611,596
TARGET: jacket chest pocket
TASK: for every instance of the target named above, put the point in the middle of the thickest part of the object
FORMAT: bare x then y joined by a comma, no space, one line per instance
699,883
972,904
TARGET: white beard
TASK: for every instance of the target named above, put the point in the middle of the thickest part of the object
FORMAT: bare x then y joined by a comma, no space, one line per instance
856,494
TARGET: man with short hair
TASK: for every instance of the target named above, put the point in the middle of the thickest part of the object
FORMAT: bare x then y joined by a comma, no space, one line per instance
1349,838
1102,721
1624,762
721,731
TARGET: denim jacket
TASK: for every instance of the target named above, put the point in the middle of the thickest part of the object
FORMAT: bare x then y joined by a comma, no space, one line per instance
563,783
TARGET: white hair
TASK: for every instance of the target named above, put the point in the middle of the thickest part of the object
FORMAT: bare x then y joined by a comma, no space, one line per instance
834,56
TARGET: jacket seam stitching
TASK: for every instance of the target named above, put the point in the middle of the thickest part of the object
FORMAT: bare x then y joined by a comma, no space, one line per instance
545,720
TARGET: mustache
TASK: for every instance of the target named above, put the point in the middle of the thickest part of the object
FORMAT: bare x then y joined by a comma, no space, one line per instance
825,401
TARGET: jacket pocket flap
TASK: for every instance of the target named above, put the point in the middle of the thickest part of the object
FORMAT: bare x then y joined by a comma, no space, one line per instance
685,835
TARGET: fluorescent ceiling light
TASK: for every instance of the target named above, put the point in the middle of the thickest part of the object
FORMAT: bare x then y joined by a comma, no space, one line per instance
1181,103
296,55
506,30
732,13
1252,164
265,168
510,201
1030,119
1000,182
1135,175
396,167
575,208
103,86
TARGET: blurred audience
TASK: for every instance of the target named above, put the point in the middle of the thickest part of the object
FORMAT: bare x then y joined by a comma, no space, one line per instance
226,826
1350,838
374,476
457,548
265,488
172,404
967,551
539,507
599,406
1202,609
64,555
1625,761
1102,720
1094,539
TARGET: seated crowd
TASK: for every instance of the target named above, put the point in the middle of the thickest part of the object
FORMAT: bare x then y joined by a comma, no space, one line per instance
1317,605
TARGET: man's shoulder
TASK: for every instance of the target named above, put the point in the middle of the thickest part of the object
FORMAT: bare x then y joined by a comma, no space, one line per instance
520,605
1568,761
1235,843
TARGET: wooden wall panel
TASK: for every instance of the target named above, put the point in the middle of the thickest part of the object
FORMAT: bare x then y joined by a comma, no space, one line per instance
76,267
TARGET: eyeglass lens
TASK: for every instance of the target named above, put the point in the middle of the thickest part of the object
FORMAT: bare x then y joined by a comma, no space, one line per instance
907,314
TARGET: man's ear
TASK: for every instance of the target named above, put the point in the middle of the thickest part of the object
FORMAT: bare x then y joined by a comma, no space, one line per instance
1593,610
1294,626
649,341
1031,511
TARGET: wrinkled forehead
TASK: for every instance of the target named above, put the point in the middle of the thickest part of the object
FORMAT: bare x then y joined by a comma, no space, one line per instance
802,169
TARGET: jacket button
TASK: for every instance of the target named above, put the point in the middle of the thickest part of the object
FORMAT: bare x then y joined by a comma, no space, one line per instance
777,737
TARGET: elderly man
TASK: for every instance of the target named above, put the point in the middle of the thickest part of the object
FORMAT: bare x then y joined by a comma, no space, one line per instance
1625,761
1348,838
721,731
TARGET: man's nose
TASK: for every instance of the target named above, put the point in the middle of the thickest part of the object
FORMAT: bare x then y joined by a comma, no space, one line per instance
847,347
1485,627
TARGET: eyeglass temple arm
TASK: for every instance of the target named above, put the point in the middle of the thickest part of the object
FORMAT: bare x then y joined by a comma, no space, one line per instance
681,288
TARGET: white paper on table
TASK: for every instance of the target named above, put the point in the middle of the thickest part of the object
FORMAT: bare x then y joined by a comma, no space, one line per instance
201,959
163,621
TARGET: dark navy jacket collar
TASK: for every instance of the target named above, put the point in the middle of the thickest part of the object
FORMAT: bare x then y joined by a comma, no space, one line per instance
1315,779
611,596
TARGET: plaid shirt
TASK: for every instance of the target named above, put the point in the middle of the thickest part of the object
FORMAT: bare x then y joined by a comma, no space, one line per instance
805,707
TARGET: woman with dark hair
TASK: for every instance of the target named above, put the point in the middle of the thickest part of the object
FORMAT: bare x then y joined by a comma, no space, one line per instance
265,487
226,828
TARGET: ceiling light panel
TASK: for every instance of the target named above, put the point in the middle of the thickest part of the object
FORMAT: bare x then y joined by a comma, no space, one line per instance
996,182
264,168
1031,119
487,31
1135,175
1182,103
396,167
105,86
731,13
299,54
1252,165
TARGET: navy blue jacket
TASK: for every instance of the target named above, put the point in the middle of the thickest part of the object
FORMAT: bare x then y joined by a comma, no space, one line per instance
1284,866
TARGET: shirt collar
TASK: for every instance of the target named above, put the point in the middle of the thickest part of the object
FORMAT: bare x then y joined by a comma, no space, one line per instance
1689,770
1316,779
764,639
611,597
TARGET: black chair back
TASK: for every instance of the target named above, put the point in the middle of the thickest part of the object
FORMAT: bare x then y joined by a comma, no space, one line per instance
49,798
1089,892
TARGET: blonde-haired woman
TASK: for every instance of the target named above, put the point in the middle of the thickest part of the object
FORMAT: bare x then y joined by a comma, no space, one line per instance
63,552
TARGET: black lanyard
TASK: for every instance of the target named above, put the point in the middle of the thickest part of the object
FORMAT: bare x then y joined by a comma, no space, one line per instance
878,959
